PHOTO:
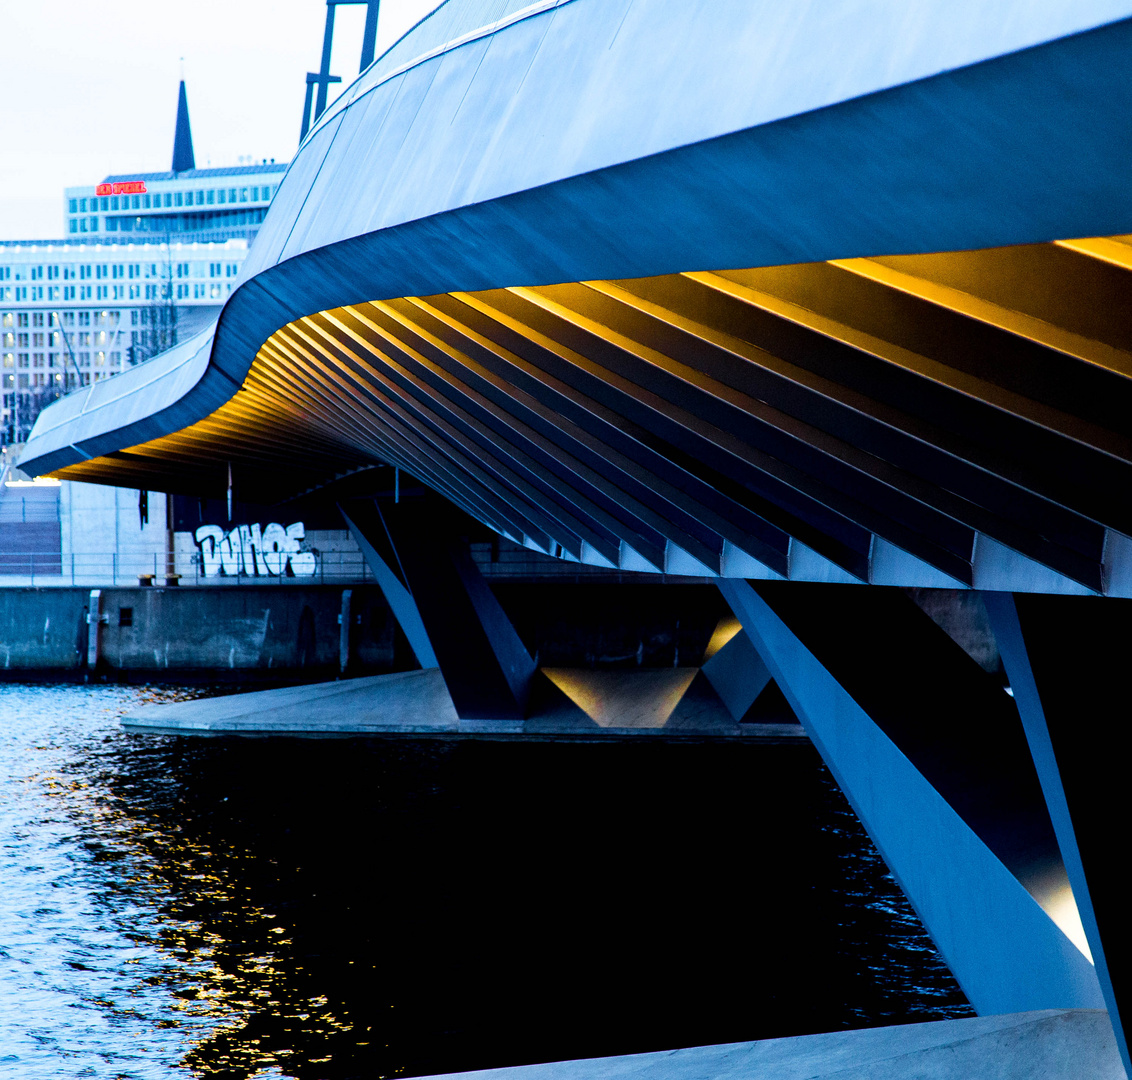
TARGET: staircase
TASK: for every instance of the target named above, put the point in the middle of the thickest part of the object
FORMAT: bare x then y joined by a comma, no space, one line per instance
30,537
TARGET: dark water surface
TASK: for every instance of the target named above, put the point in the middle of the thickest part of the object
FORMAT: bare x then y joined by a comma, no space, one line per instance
315,909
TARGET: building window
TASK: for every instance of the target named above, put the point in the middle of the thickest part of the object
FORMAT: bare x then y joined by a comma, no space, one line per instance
73,206
210,196
73,225
82,206
94,224
179,198
232,194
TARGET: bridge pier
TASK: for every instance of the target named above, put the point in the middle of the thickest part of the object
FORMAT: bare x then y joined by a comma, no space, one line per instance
928,749
1066,658
446,608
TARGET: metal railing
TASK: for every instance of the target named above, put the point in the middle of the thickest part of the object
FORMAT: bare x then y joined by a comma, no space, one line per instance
162,568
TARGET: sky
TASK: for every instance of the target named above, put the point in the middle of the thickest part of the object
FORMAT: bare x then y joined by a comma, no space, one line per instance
90,89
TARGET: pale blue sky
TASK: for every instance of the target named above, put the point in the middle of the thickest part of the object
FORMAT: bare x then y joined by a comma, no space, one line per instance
91,89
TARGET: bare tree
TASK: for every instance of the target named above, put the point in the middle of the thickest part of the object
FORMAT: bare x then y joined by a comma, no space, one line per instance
158,320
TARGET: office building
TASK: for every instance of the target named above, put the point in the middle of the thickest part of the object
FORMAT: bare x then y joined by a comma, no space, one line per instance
147,260
184,203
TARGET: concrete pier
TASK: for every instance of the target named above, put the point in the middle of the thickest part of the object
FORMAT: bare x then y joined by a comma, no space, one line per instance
613,704
1050,1044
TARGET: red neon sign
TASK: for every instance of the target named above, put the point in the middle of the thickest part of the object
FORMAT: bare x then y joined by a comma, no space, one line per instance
131,187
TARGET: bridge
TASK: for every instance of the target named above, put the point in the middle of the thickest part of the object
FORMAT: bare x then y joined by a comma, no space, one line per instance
803,299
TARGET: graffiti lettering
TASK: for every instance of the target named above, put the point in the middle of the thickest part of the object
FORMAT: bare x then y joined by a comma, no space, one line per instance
274,552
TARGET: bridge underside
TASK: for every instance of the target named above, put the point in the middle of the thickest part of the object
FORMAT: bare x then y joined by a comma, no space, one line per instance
957,419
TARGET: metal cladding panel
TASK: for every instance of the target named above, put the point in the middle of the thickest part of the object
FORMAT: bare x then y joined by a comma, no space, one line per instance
134,406
288,203
614,82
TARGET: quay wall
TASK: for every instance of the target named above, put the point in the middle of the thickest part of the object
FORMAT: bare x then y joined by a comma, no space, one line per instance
249,629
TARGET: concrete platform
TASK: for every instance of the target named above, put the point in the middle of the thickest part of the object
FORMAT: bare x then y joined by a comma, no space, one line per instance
670,703
1047,1045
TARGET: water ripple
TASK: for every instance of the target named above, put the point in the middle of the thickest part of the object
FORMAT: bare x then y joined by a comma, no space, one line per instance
231,908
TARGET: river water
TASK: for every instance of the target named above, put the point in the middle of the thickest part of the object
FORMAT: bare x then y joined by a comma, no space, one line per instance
327,909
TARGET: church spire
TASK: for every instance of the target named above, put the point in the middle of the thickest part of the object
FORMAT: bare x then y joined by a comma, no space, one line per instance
183,138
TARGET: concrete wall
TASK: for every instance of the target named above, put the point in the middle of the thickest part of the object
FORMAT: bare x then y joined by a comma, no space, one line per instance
249,629
337,544
96,520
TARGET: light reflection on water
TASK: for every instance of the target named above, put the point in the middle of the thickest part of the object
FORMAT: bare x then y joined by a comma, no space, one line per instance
82,983
322,910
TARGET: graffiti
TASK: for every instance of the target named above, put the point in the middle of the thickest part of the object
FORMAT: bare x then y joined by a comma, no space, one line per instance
274,552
